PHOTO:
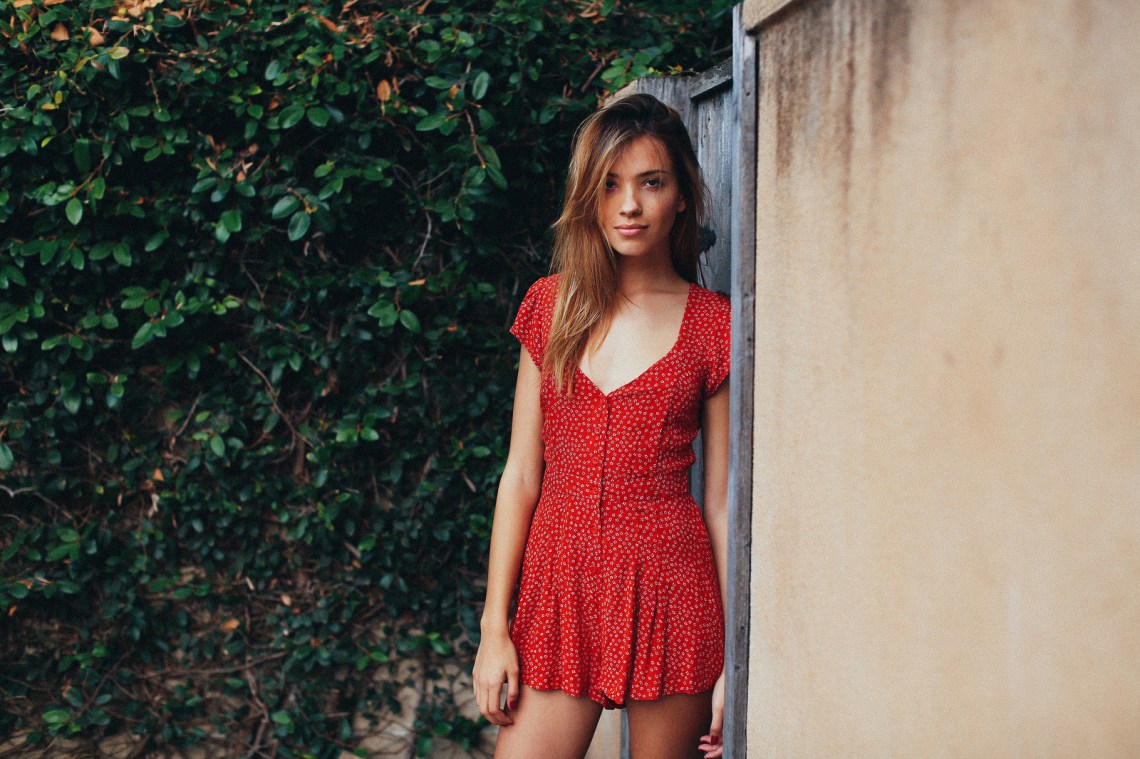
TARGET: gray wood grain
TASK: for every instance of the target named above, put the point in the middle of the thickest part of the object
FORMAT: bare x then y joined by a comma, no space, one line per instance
737,618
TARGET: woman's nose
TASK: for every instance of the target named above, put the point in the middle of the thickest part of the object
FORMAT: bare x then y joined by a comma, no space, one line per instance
629,203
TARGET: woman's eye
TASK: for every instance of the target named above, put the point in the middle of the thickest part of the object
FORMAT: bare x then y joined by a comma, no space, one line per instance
653,182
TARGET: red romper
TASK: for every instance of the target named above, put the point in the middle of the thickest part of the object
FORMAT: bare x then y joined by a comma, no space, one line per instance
618,597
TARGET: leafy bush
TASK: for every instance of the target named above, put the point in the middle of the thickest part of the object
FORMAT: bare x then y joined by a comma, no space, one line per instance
256,267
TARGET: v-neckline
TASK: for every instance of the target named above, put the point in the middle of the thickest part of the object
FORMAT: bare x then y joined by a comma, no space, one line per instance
655,364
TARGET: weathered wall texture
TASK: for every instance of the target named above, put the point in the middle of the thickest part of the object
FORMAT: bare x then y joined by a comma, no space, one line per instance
947,494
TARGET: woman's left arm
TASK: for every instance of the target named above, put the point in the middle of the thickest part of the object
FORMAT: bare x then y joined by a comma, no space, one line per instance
714,434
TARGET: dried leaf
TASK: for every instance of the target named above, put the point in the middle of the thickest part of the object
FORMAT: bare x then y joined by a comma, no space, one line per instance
384,91
328,24
94,36
285,599
21,3
54,2
157,475
60,33
228,625
136,8
417,282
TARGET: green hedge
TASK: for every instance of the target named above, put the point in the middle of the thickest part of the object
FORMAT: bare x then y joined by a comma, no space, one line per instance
256,266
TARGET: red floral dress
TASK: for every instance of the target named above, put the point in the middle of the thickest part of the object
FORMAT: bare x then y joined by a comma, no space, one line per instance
618,596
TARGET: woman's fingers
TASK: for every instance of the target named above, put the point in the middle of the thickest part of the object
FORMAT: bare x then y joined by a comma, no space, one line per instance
512,689
489,697
711,745
495,713
496,664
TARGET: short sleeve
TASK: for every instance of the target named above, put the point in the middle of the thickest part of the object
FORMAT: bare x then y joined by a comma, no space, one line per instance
719,344
532,324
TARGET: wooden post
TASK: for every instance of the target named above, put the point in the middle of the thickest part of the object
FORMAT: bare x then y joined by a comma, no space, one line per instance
738,614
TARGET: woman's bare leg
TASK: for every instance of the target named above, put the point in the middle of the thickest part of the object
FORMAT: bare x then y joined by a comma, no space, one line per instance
549,724
670,727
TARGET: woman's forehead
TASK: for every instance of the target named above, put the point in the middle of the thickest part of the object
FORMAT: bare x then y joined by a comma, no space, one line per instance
639,155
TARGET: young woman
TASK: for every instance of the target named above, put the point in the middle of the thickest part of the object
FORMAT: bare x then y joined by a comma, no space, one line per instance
623,358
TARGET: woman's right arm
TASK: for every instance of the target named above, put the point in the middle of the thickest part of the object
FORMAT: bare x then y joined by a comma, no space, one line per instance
497,661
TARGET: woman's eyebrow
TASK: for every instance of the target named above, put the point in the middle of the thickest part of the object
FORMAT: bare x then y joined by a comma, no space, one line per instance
644,173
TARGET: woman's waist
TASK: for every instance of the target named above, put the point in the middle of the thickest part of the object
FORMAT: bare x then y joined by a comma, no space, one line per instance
601,484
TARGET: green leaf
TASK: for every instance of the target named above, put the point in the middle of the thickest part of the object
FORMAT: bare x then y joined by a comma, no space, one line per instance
291,116
60,552
298,225
81,152
7,459
480,85
491,156
285,206
231,220
143,335
434,121
156,240
274,69
218,446
122,253
72,402
317,116
410,321
497,178
57,716
74,210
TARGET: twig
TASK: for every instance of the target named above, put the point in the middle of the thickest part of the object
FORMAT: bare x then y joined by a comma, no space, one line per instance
214,670
20,491
593,75
273,400
423,245
189,416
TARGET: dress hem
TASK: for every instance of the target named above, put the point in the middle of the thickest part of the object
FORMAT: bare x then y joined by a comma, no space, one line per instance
608,703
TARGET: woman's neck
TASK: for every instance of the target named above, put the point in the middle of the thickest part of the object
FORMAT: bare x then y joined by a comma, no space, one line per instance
641,274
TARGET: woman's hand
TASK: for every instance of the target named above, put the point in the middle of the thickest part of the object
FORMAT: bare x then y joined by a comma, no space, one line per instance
711,744
496,663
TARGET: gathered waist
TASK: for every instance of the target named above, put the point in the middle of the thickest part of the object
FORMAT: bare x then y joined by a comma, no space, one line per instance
660,486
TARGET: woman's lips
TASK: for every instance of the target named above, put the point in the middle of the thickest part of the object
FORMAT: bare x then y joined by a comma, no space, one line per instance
630,231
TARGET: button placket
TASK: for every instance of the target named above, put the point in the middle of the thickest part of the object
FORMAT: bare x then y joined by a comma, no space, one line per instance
603,454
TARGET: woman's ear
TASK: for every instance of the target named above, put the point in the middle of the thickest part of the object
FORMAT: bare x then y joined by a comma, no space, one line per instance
681,204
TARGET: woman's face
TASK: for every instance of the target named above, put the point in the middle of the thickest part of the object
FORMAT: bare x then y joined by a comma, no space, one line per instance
641,200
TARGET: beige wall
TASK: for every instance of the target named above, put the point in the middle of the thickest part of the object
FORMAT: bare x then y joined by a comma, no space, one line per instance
947,487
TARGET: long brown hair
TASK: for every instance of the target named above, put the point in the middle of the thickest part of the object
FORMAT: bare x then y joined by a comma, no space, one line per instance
587,267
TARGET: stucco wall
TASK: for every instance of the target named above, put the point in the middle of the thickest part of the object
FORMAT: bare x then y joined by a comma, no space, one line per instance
947,486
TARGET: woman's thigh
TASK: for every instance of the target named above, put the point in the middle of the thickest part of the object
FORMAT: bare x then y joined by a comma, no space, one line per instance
670,727
548,724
